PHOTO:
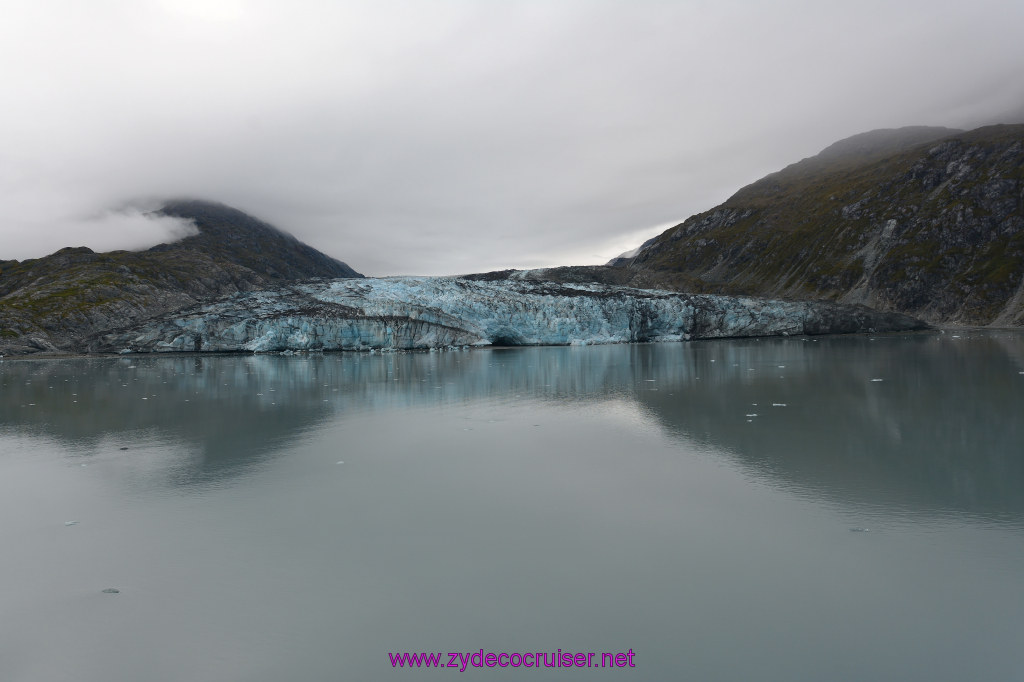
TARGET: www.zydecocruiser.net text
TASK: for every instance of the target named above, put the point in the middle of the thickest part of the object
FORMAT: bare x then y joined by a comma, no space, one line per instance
530,659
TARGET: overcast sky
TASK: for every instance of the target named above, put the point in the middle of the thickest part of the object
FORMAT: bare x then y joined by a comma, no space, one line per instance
453,136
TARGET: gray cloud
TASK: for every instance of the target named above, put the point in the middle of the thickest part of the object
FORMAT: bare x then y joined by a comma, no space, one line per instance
457,136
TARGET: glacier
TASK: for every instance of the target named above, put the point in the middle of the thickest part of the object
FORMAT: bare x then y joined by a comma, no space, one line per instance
410,313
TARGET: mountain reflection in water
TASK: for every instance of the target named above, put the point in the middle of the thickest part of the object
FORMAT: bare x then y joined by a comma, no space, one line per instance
920,421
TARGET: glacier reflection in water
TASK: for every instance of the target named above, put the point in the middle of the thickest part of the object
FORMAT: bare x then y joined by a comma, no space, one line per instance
300,517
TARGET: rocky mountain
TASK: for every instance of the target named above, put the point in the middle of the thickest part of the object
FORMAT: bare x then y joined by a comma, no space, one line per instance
231,236
52,303
923,221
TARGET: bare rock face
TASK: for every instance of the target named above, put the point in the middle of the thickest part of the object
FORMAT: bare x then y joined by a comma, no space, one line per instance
927,222
438,312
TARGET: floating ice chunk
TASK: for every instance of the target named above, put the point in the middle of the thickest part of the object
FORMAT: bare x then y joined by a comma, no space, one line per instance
340,462
71,523
752,415
876,380
860,530
778,404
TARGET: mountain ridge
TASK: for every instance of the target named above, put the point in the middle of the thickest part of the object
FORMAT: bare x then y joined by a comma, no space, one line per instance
932,227
235,236
52,303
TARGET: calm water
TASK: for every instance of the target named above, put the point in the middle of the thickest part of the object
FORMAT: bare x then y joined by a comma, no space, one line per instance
297,518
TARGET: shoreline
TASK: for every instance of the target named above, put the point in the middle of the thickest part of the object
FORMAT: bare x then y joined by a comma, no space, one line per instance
73,355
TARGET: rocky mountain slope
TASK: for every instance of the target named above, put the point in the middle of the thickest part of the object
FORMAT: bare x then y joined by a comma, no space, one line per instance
52,303
924,221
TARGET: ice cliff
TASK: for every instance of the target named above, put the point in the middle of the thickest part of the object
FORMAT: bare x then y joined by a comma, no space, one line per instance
438,312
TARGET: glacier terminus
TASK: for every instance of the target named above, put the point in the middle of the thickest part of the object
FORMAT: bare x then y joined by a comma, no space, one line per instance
410,313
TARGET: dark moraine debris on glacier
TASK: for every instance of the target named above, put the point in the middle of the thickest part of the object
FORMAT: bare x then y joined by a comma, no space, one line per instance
435,312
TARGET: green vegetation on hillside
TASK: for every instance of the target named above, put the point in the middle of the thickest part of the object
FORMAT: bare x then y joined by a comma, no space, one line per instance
935,230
